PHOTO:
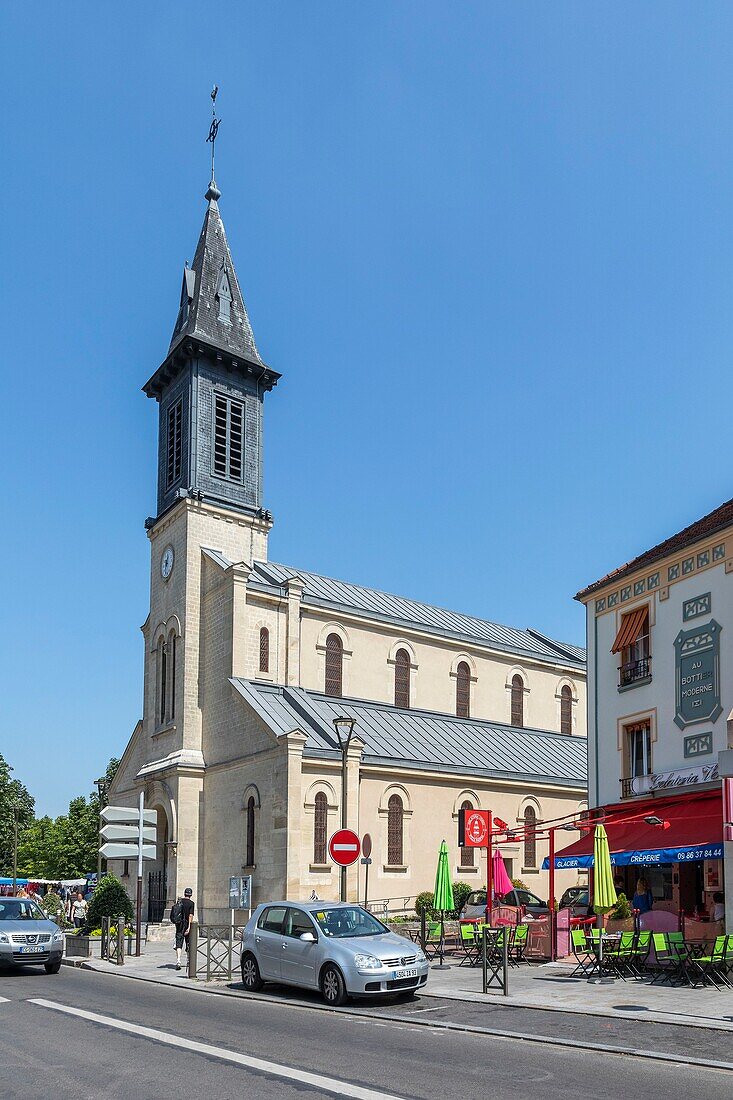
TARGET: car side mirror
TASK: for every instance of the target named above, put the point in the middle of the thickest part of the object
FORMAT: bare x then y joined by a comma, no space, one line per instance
307,937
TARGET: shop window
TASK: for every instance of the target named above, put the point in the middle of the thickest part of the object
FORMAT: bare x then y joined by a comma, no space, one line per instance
633,643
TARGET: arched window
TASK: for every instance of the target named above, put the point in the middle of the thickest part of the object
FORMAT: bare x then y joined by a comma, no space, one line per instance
530,842
467,854
162,680
264,649
250,860
402,679
566,710
517,700
171,673
334,665
463,696
320,828
394,831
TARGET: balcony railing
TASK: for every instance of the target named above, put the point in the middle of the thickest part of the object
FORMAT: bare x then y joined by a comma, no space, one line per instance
633,671
635,785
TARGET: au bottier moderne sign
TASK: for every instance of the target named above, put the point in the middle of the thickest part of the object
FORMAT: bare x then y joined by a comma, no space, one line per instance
697,674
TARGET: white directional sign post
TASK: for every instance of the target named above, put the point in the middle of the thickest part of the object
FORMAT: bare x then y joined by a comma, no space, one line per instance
129,833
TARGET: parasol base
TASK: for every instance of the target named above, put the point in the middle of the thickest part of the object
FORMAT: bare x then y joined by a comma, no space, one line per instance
601,981
441,966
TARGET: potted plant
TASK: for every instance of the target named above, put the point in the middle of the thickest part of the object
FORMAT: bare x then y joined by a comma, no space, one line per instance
621,919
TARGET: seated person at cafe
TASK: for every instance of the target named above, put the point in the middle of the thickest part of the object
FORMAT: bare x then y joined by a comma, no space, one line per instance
643,899
717,909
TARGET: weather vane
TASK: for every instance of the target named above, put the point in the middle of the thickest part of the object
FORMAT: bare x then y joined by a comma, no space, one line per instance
214,128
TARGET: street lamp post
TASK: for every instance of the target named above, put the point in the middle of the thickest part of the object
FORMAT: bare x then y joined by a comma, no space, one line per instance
102,786
15,849
344,732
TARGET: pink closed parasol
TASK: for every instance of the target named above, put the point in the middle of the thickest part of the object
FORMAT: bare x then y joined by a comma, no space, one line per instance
502,882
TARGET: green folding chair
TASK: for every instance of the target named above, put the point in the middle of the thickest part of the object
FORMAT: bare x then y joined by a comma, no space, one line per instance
619,958
712,967
469,944
518,943
584,956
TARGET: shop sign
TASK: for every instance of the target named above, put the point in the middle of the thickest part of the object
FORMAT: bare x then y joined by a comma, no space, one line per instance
684,777
697,674
698,744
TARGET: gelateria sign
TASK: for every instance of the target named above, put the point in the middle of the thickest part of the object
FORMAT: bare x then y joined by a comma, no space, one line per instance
684,777
697,674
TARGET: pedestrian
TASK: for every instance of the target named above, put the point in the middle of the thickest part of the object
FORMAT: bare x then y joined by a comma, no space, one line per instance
643,898
182,917
79,910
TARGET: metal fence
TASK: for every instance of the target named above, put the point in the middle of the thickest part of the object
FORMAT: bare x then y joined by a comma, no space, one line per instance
495,959
112,947
214,951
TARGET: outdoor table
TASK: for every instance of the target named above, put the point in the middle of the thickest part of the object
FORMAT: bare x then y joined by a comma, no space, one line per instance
684,952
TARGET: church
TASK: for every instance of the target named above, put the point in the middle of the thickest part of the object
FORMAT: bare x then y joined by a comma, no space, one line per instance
248,662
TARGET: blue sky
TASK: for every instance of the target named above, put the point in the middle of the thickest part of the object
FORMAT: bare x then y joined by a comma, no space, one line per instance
487,245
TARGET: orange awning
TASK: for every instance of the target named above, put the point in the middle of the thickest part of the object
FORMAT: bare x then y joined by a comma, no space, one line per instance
630,629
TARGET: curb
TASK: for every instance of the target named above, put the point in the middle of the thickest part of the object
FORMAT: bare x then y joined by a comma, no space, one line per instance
446,1025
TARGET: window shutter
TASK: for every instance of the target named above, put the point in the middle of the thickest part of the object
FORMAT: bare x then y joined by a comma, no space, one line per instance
566,710
517,701
228,438
174,443
334,665
530,841
463,695
402,679
394,831
264,649
320,828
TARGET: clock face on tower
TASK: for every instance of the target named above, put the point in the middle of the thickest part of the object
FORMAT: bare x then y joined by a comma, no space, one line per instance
166,563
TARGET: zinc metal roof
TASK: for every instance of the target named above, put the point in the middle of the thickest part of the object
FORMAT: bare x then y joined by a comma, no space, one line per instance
421,739
327,592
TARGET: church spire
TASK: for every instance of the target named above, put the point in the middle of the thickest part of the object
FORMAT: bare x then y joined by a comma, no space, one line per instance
212,308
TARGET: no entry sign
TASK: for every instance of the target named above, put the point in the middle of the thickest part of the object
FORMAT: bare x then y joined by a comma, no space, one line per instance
344,847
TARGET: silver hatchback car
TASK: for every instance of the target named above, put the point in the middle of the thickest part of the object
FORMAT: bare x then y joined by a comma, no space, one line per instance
27,936
338,948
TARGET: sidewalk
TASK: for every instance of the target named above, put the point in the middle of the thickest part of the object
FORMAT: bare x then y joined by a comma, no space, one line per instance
547,986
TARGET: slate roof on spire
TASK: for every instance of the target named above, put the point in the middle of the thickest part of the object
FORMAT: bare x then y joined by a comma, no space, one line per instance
199,317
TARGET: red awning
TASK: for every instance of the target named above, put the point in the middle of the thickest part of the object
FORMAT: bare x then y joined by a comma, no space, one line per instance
630,629
695,823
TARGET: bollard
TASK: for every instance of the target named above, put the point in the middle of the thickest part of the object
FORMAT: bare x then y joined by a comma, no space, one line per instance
120,940
193,946
423,930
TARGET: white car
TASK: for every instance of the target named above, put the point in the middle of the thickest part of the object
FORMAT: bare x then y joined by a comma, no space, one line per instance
338,948
28,937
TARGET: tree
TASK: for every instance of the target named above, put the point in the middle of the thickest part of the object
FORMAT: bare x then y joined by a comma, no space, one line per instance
15,804
76,839
38,850
108,900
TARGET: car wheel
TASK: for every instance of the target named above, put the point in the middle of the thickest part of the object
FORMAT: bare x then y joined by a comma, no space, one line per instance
52,968
251,979
332,986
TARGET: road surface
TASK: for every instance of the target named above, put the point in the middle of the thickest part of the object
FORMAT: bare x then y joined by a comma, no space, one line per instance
81,1033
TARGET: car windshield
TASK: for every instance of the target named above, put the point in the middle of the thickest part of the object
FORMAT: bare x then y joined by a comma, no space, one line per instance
20,909
478,897
348,920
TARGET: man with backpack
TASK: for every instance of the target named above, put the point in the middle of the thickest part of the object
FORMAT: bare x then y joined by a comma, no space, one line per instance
182,916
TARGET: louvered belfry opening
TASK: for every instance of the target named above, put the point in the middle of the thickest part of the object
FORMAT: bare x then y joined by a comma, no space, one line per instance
228,437
463,692
320,828
394,831
175,443
250,856
264,649
517,700
402,679
334,665
566,710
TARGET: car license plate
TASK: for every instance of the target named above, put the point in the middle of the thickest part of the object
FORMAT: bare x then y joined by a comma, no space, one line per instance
35,949
396,974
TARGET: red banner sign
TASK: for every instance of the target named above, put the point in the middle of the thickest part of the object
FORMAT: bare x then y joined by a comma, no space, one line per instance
476,829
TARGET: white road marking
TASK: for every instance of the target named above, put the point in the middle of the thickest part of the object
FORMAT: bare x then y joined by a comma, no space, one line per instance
4,1000
327,1084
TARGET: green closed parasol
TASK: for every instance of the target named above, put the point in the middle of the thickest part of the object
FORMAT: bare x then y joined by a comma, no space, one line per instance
604,892
443,897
